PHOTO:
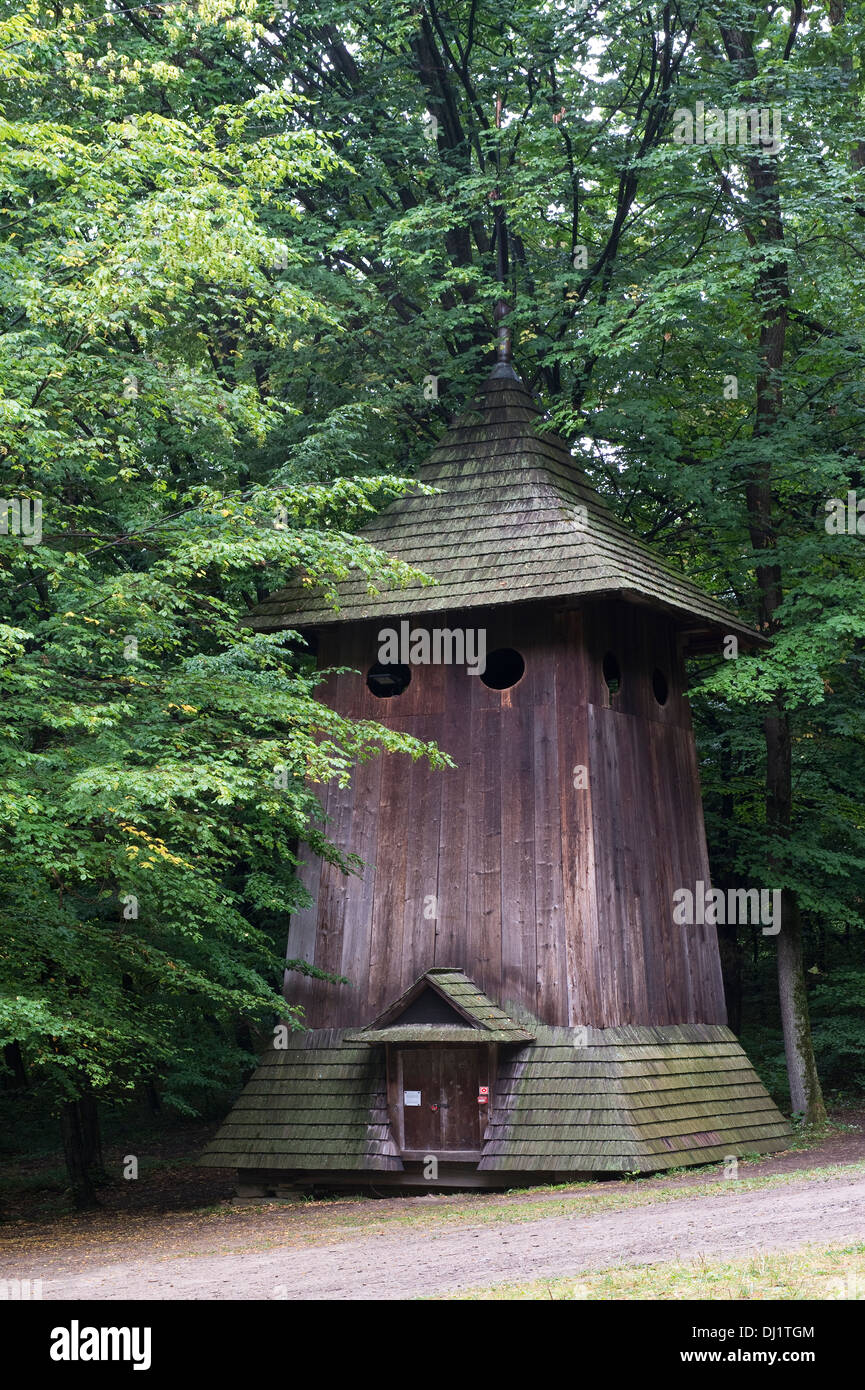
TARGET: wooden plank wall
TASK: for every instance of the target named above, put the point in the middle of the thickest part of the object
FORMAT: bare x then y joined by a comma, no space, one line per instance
551,896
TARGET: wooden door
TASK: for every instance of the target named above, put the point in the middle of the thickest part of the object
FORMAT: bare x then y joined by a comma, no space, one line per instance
460,1079
420,1099
438,1098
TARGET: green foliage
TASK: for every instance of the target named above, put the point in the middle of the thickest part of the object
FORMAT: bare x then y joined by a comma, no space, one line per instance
159,761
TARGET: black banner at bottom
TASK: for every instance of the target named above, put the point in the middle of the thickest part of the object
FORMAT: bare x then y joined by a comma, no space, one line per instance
59,1339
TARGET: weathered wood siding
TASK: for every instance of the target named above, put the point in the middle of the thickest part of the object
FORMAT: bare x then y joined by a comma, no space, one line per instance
547,895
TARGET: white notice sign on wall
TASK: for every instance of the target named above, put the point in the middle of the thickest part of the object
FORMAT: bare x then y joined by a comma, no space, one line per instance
411,1097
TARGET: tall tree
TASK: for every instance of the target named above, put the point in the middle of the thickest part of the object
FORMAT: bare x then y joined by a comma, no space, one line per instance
159,763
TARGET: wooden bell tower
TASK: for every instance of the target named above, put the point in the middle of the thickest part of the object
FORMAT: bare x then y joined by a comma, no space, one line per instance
522,1003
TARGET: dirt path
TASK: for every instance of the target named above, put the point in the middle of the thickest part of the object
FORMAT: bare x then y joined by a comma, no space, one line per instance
426,1261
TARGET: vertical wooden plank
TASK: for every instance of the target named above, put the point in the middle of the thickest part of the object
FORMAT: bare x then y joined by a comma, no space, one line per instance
605,781
619,727
422,834
552,999
526,631
639,640
431,685
461,1114
451,945
639,814
652,903
296,988
386,978
335,891
693,866
393,1061
591,867
519,945
356,946
693,855
588,992
484,821
674,946
575,803
706,984
710,1003
302,942
347,645
421,1124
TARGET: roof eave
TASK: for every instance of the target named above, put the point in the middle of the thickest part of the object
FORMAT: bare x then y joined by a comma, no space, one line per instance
701,630
430,1033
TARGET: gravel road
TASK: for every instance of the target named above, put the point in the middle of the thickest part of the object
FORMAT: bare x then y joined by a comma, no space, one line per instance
454,1256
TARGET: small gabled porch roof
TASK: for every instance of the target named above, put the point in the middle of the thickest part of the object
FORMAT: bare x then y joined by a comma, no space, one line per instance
476,1019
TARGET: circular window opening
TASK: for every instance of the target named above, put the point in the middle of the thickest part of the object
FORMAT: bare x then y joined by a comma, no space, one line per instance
503,669
612,674
659,685
387,680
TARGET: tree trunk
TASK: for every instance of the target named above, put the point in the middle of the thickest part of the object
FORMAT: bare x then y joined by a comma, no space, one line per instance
15,1063
771,294
82,1148
76,1149
805,1094
729,940
806,1097
92,1136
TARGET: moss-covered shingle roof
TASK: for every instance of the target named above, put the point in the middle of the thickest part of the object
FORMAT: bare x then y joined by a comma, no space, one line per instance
485,1022
633,1098
514,519
574,1100
318,1102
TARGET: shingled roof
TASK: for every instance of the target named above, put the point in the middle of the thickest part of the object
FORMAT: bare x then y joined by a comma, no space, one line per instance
514,519
632,1099
318,1102
580,1100
484,1021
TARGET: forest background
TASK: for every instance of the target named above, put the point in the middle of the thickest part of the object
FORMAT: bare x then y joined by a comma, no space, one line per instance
237,241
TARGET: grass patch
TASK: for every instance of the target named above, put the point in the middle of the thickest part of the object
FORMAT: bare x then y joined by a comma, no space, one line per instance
811,1136
828,1272
327,1217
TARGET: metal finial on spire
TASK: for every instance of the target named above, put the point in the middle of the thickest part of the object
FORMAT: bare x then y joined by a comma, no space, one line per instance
503,332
